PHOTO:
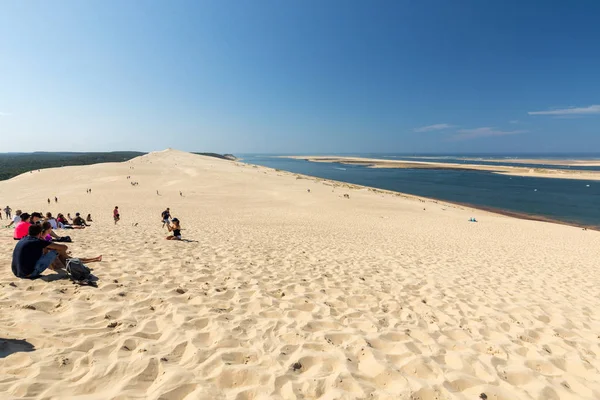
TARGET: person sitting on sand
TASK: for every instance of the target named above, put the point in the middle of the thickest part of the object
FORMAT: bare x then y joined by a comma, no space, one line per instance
116,215
78,221
22,227
16,219
166,216
47,232
176,229
33,255
64,224
53,222
89,218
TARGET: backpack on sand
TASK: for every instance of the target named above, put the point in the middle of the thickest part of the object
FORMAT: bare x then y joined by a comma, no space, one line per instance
77,270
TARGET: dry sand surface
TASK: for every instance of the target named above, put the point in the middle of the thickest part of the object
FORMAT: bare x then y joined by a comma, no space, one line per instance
499,169
290,294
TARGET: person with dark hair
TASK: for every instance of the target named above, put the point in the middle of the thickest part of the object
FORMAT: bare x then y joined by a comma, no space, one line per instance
33,255
166,216
89,218
116,214
47,232
7,211
21,228
78,221
176,229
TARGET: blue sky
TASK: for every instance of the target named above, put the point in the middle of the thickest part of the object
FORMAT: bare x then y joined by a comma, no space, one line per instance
300,76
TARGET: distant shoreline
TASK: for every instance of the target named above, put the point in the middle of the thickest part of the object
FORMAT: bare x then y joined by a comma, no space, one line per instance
497,169
493,210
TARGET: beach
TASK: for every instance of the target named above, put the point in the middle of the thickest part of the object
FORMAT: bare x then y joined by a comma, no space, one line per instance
499,168
292,287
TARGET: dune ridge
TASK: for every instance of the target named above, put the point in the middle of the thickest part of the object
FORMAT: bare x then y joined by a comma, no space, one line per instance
286,293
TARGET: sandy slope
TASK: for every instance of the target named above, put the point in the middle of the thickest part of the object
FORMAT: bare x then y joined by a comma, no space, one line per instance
288,294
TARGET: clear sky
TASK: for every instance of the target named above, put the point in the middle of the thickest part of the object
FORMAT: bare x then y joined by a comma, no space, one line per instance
300,76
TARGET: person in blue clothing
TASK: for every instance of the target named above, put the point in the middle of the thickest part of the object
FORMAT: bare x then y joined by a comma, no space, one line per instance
33,255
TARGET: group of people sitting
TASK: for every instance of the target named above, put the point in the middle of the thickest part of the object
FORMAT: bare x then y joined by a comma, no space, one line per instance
34,253
37,249
23,220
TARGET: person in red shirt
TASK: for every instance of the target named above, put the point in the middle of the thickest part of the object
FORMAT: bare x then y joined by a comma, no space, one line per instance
116,214
22,228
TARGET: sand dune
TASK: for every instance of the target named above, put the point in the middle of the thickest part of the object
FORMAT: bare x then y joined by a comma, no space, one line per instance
290,294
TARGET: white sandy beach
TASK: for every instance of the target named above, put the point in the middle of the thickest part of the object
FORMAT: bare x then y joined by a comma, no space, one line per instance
498,169
289,294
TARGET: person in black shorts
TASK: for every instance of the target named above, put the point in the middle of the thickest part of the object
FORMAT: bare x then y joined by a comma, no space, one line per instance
176,229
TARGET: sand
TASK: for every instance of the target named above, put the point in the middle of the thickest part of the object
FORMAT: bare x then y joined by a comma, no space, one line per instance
291,294
497,169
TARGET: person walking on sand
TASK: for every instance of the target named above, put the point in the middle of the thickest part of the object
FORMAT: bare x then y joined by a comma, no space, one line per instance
166,216
7,211
55,199
176,229
116,214
48,200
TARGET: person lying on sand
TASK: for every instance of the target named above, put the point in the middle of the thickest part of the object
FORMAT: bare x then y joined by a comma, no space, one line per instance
176,229
33,255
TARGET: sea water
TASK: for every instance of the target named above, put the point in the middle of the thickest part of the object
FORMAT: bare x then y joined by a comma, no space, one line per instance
568,200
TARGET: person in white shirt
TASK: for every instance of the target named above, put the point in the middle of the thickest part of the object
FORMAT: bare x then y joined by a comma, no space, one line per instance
16,219
53,222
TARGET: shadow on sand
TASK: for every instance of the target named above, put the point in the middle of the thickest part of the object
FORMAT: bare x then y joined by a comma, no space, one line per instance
10,346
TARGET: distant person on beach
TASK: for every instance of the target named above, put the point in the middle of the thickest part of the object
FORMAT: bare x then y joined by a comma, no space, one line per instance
55,199
176,229
16,219
116,214
180,193
89,218
166,216
7,211
48,200
69,217
157,193
33,255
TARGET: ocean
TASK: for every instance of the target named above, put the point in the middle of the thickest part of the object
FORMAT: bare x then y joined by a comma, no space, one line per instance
564,200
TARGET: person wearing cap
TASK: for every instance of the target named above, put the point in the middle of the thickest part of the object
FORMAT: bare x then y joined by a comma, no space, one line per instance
78,221
176,229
